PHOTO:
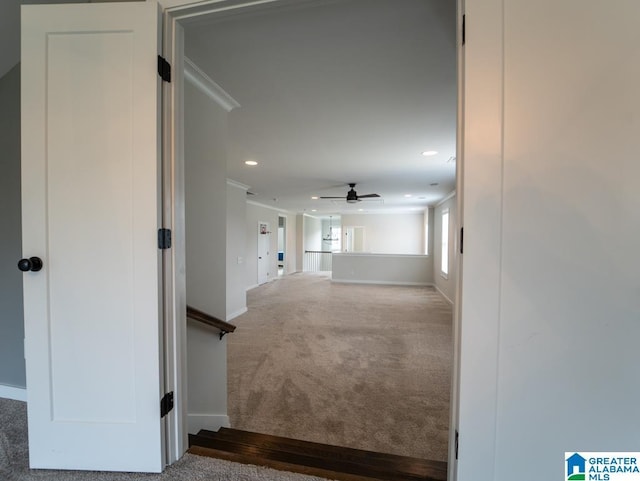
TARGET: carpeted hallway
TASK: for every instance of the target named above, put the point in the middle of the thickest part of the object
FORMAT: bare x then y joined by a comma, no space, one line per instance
363,366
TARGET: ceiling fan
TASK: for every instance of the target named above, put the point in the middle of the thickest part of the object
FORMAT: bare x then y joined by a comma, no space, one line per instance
352,195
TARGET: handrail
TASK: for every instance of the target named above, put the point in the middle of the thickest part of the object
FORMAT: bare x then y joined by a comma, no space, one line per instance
318,252
209,320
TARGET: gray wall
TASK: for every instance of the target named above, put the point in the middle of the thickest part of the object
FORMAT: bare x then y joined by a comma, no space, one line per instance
12,371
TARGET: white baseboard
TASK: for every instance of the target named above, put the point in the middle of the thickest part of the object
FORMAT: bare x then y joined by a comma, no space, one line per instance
384,283
253,287
443,295
239,312
15,393
212,422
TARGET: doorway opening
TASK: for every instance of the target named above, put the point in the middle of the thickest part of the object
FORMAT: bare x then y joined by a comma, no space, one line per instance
282,244
263,14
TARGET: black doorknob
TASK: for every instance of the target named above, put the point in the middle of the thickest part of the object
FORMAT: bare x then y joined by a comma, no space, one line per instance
32,264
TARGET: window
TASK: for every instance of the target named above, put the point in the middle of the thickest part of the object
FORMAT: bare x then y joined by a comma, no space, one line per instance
426,232
444,260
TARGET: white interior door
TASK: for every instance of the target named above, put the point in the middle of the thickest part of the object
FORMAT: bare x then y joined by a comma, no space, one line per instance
90,187
263,252
354,239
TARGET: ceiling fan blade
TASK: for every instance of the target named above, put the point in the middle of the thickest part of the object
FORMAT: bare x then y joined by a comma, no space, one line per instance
368,195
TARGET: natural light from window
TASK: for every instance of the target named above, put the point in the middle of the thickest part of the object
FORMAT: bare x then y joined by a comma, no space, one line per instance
426,232
444,263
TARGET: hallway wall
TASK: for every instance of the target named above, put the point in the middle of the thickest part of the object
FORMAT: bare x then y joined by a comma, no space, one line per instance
236,249
206,258
206,202
12,368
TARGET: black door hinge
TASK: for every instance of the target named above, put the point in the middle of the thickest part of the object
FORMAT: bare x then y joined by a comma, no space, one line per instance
457,436
464,29
164,69
164,238
166,404
461,239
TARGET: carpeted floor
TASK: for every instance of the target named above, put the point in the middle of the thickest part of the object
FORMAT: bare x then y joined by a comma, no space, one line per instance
352,365
14,461
362,366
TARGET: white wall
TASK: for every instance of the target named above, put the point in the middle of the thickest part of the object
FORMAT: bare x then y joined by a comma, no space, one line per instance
446,284
206,256
299,241
395,269
206,202
312,233
291,244
12,369
207,396
236,250
389,233
550,312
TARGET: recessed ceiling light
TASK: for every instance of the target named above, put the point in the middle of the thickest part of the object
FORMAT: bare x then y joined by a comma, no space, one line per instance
360,210
250,162
428,153
315,197
314,210
407,195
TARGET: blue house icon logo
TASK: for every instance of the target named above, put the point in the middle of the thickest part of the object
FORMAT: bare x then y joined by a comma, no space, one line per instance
576,467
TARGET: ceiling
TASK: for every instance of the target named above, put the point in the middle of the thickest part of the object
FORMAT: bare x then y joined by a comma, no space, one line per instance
333,92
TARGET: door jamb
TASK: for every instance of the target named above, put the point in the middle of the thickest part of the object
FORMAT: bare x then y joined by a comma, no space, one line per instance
173,143
175,302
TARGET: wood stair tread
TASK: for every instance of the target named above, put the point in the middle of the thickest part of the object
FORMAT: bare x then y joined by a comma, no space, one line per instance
278,465
419,467
264,449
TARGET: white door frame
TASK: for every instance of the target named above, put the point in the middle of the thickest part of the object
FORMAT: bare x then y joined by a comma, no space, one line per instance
284,244
179,11
264,229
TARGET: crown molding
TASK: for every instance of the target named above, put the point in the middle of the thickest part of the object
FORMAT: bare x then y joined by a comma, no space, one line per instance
446,198
203,82
239,185
270,207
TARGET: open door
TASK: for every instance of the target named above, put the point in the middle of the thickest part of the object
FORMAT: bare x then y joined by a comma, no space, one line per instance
263,252
91,212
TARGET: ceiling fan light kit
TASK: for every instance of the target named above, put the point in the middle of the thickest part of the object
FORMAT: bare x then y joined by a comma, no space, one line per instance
352,195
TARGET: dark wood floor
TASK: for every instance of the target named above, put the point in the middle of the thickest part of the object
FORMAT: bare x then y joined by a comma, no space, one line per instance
333,462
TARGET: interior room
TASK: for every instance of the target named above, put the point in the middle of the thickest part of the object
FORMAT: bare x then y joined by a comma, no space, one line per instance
546,302
294,115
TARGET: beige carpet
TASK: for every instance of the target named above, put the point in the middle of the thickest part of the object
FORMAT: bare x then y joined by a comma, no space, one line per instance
362,366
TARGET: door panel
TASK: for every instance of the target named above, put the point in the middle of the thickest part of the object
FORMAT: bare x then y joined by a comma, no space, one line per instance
90,172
